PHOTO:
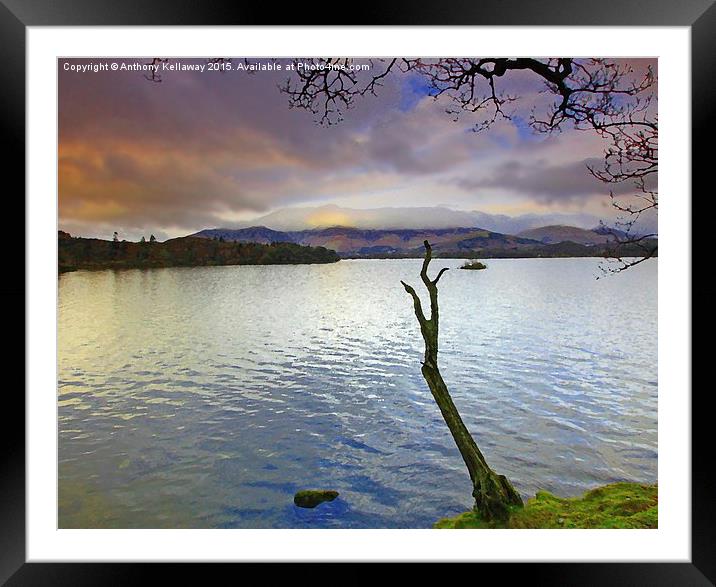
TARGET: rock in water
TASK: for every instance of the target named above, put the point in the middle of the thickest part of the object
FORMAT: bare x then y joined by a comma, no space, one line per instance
310,498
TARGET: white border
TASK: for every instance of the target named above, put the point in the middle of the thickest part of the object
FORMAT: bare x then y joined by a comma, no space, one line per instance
671,542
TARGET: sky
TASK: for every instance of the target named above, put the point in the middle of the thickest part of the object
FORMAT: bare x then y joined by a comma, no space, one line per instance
220,149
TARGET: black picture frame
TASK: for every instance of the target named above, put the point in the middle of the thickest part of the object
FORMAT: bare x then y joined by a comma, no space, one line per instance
17,15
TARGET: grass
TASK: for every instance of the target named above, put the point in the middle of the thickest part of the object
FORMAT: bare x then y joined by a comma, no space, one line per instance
619,505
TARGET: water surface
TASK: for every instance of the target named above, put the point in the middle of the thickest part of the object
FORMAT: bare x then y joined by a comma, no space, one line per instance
205,397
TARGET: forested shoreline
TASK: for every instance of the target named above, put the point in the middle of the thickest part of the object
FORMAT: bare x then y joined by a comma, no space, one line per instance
89,253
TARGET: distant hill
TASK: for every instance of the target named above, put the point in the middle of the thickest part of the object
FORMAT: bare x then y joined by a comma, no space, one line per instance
357,242
614,232
253,234
351,242
559,233
91,253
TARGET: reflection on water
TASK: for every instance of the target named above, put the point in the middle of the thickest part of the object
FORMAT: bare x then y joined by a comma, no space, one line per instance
205,397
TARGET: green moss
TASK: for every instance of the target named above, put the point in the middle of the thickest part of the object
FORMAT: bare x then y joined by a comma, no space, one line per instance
310,498
619,505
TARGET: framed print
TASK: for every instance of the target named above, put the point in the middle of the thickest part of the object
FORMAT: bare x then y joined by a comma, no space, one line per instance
242,257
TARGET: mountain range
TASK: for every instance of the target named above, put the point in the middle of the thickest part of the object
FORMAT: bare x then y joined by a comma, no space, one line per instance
546,241
558,234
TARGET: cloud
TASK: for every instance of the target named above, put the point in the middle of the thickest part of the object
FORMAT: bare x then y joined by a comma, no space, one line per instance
545,182
206,149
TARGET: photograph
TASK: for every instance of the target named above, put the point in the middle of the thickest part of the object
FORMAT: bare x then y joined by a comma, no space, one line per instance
357,292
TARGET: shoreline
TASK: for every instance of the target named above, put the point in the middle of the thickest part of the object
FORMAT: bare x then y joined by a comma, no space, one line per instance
117,267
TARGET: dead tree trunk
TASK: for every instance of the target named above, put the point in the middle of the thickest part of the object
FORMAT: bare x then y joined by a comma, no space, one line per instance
493,493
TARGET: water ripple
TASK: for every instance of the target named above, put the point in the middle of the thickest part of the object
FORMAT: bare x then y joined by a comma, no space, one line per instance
206,397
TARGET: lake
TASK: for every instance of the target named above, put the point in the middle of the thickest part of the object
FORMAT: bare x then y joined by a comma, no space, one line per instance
206,397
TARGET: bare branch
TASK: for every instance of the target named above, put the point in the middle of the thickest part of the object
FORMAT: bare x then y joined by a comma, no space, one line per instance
426,262
443,270
416,302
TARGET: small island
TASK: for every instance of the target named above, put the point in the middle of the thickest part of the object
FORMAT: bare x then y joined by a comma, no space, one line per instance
75,253
475,265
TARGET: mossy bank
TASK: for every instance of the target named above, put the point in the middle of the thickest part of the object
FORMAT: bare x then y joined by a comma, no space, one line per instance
619,505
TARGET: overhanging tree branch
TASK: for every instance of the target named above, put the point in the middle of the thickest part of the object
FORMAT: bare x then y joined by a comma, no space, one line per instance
601,95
